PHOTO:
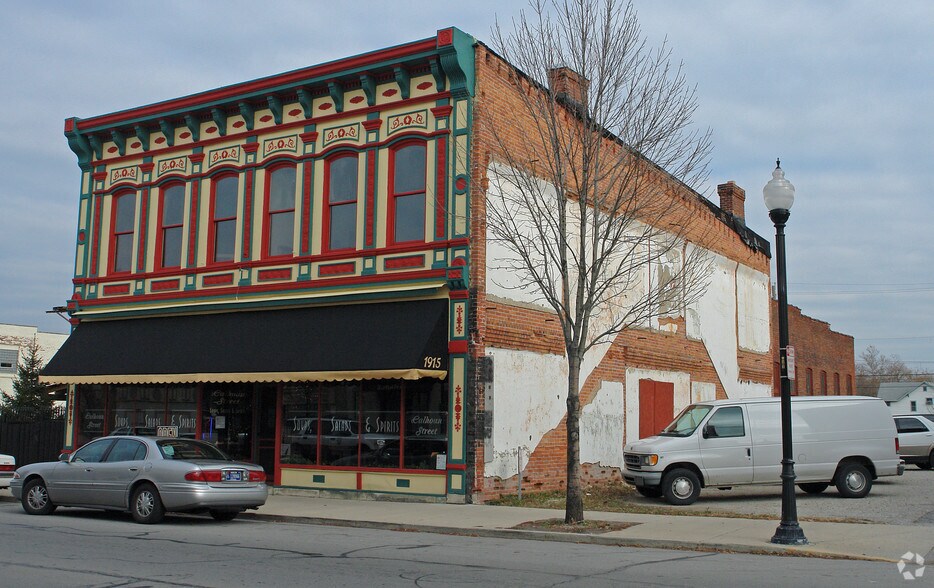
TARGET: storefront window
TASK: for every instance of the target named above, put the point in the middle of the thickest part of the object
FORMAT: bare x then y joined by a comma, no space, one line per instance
227,418
381,424
299,424
91,413
339,424
426,418
390,424
182,410
137,410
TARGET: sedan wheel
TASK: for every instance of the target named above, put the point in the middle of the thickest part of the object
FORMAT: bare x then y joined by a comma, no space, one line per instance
36,498
929,463
146,505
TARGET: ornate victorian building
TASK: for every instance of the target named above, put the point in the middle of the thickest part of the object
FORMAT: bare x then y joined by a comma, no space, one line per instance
296,269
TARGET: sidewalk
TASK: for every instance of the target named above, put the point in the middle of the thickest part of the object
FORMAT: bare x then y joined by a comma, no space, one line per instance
845,540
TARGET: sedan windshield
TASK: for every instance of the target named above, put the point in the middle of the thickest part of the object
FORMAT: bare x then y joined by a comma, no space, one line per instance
687,421
186,449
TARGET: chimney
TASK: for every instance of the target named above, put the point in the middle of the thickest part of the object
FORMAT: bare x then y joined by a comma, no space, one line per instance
567,83
732,199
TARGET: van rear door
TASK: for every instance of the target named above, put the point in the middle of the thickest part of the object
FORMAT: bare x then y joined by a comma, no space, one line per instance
726,447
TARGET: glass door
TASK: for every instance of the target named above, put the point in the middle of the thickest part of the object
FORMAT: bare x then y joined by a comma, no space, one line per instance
227,418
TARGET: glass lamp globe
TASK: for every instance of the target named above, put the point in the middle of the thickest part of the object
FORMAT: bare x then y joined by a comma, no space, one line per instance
779,193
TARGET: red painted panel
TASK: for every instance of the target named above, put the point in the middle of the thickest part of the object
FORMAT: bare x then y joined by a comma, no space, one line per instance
218,280
247,213
336,269
656,406
404,262
274,274
97,235
306,209
163,285
370,195
193,222
439,189
115,289
143,223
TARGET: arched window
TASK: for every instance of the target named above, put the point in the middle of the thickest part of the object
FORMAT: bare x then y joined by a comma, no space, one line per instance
223,229
407,193
280,211
340,222
124,230
171,220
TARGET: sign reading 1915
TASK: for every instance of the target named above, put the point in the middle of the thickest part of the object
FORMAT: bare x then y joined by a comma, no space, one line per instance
432,363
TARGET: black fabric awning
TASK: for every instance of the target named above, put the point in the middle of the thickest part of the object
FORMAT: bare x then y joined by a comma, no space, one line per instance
349,342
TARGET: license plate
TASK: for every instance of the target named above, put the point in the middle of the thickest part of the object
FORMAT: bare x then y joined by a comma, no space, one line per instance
233,476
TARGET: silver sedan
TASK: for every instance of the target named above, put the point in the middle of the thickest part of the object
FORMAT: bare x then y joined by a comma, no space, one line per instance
146,476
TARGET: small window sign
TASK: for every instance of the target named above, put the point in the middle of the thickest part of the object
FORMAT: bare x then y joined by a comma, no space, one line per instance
167,431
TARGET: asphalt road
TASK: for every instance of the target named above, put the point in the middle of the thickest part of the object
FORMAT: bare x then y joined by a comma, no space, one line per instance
77,548
901,500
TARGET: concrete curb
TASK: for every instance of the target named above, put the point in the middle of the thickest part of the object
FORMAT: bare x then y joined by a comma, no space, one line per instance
581,538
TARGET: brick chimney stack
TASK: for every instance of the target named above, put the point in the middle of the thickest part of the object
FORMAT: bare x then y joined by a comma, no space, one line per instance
732,199
565,81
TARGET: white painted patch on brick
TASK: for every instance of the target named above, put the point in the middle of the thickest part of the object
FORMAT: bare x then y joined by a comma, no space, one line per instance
602,423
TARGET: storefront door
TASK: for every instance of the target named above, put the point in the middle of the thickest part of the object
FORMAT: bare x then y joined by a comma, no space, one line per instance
227,418
264,451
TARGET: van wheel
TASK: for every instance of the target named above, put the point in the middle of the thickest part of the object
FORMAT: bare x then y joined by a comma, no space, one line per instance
146,505
813,487
649,492
681,487
853,480
36,498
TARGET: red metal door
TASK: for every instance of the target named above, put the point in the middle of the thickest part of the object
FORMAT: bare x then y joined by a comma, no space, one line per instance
656,406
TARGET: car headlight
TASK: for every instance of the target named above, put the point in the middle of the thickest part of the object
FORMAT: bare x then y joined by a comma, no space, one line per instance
649,460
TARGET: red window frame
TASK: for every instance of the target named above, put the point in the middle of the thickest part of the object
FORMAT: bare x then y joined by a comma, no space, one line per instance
212,228
823,382
836,382
160,234
115,234
809,383
331,205
268,212
391,213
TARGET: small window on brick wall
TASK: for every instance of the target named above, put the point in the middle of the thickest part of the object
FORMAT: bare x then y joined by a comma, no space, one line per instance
8,361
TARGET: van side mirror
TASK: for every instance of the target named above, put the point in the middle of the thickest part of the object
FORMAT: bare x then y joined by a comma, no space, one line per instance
709,431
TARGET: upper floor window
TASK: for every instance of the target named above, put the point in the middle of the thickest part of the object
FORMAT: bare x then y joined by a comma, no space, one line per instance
9,361
407,193
341,217
809,382
836,382
124,229
171,219
223,227
823,382
280,211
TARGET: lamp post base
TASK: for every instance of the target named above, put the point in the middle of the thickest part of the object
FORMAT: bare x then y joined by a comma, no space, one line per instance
789,534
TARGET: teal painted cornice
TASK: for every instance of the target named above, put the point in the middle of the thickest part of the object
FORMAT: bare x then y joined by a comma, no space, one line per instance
142,133
246,110
96,145
78,144
168,130
194,127
457,60
368,84
304,98
336,90
119,140
402,79
275,105
220,119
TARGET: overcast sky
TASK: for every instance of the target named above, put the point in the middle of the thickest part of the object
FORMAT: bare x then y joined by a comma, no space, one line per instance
843,92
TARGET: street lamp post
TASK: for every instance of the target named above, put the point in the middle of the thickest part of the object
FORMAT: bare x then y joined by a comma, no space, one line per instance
779,195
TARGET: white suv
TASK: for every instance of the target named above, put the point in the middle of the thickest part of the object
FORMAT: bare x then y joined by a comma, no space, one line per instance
916,439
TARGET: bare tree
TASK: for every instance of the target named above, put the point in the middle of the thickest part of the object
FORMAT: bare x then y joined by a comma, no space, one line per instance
874,367
593,214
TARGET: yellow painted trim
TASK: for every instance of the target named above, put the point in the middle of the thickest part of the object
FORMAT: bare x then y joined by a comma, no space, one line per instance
418,483
334,479
402,374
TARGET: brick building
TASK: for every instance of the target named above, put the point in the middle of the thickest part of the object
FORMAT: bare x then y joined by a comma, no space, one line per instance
825,360
297,269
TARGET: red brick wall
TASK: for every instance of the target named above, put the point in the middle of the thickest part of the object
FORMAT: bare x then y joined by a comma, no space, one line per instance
514,327
817,348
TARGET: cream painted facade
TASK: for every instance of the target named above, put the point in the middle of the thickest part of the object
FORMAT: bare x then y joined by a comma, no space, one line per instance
14,340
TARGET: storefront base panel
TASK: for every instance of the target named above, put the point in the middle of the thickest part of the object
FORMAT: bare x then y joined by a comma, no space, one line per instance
403,483
357,495
379,482
323,479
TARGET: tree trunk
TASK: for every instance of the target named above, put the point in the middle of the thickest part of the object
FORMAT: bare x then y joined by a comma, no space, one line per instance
574,501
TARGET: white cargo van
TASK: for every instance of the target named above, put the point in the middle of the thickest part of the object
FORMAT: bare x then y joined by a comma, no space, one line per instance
848,441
